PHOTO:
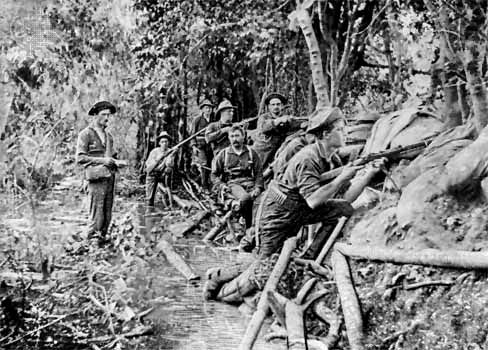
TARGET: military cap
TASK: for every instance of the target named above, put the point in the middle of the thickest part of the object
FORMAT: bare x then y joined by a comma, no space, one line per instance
164,134
323,117
206,102
225,104
277,95
100,106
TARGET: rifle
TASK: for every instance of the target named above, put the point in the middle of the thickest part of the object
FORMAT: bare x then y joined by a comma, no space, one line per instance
392,154
174,148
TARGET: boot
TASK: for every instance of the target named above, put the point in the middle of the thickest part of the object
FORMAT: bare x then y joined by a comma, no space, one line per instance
217,276
233,292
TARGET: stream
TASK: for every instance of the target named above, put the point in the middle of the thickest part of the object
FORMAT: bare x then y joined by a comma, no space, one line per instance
182,319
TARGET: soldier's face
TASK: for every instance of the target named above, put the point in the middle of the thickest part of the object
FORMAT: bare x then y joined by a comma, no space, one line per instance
206,110
102,118
236,138
275,106
226,115
164,143
336,136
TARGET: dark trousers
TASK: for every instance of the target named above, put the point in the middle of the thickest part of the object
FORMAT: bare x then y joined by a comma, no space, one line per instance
152,182
281,220
101,194
241,193
200,161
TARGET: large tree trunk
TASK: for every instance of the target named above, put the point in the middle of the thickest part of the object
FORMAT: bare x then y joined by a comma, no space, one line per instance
474,56
318,76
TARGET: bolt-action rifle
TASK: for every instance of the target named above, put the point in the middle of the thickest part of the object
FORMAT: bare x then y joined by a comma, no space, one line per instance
188,139
392,154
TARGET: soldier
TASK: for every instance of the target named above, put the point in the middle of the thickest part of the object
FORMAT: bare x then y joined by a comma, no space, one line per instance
237,169
217,132
201,152
94,151
159,168
296,199
272,128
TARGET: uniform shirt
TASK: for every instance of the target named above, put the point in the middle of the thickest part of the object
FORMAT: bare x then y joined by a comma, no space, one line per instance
90,146
285,153
304,169
237,167
198,124
152,159
217,139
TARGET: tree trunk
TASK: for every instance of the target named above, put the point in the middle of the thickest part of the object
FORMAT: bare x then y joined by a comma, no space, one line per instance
318,76
475,54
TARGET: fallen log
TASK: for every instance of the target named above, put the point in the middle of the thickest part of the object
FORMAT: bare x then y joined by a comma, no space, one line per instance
176,260
184,203
349,301
219,227
193,223
257,319
427,257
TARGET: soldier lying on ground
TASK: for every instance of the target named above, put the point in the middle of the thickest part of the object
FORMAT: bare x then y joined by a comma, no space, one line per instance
159,170
297,199
237,170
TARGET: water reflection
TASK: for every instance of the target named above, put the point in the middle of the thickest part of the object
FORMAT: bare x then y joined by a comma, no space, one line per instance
189,322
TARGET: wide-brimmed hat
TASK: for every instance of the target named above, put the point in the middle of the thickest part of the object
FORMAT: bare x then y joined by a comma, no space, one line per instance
164,134
323,117
100,106
277,95
206,102
225,104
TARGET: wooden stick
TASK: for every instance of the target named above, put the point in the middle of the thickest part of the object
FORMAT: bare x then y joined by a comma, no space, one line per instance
331,240
257,319
195,222
428,284
314,267
428,257
176,260
219,227
349,301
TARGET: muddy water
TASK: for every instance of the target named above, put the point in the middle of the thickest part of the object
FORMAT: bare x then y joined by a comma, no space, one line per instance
182,318
188,321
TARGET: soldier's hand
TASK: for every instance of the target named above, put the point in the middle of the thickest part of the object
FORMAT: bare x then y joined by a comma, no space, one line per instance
349,171
109,162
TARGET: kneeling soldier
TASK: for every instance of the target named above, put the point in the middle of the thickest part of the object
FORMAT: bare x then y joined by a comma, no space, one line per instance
159,168
298,198
237,169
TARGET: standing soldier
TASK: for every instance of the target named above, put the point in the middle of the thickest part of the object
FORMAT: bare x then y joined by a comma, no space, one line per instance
217,132
94,151
272,128
201,152
298,198
237,169
159,169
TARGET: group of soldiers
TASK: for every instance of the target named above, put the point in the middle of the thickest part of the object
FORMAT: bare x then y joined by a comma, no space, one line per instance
274,210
